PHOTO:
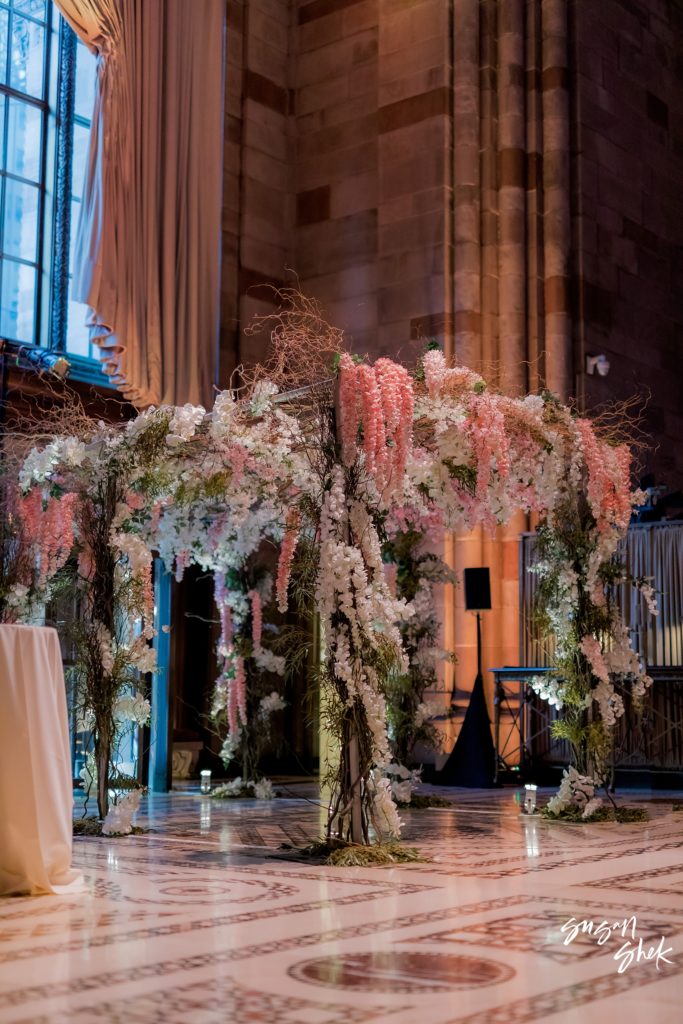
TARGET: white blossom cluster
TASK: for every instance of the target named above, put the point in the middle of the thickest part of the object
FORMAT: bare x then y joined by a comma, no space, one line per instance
262,790
403,781
41,463
575,790
548,688
184,423
267,661
119,820
270,704
351,584
384,812
231,743
427,710
133,708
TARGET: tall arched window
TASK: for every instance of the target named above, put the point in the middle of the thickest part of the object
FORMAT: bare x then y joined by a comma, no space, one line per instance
47,80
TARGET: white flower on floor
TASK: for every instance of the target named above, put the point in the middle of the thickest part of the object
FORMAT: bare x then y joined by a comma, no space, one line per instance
231,789
591,807
263,789
119,821
576,790
385,815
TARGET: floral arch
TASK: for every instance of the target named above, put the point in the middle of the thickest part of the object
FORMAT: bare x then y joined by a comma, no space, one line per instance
326,456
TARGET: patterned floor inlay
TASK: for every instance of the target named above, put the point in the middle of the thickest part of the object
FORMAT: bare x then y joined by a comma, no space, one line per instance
401,972
201,921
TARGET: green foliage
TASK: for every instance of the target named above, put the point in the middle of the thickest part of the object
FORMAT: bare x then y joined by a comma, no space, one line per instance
624,815
421,801
341,854
465,475
405,691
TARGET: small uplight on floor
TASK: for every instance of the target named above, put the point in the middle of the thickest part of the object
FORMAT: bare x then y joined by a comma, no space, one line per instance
530,798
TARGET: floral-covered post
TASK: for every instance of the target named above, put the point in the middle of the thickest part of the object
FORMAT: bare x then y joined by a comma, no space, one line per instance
77,496
415,571
243,701
227,489
358,613
577,568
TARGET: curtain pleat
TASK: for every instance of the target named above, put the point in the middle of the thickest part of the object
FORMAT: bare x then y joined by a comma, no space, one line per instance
148,242
653,551
656,552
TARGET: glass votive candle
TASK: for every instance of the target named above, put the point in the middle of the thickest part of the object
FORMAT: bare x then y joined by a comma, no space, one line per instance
530,798
205,781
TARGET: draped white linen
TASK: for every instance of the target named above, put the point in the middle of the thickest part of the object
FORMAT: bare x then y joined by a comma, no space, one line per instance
147,259
36,789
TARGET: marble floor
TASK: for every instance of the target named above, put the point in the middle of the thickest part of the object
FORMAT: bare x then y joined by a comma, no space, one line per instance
204,920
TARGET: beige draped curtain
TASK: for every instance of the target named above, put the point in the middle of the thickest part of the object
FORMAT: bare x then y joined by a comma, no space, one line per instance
148,242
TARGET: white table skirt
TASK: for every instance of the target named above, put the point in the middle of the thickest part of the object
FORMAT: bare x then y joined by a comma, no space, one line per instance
36,786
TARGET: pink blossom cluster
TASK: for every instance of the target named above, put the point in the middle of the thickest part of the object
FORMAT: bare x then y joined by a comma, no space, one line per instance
590,647
50,524
236,701
284,565
608,487
182,560
231,707
489,439
220,597
441,379
427,519
86,565
380,400
232,680
435,370
134,501
240,460
239,685
348,408
256,618
145,575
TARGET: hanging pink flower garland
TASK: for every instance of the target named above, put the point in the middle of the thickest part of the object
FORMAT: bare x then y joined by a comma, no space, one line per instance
379,401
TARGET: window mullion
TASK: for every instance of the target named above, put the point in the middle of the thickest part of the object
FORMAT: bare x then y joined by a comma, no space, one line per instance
66,94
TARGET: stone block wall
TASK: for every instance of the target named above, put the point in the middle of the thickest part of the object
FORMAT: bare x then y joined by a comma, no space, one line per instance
257,195
628,212
371,98
337,167
346,129
505,176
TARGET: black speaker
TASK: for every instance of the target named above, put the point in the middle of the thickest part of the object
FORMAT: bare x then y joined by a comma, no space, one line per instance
477,590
